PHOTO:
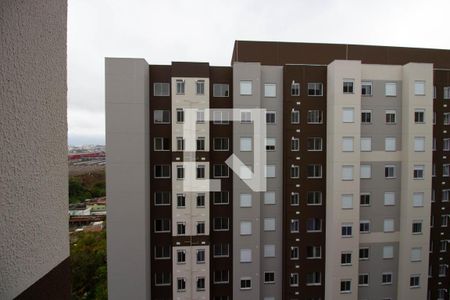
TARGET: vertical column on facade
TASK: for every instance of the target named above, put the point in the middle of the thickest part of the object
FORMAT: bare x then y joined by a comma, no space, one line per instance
190,209
416,190
246,221
342,232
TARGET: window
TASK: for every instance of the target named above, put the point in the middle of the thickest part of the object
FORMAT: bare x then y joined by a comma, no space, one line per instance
162,225
388,252
270,90
346,230
295,199
445,195
270,117
220,171
417,227
161,117
246,255
221,90
347,86
295,171
313,278
200,87
220,117
414,281
315,89
269,250
220,198
390,89
295,89
348,115
221,144
418,198
347,172
389,171
366,116
200,144
180,172
270,144
200,283
269,277
201,116
295,144
180,144
445,170
347,201
363,279
364,253
419,88
447,92
245,228
295,225
419,116
386,278
181,228
443,270
246,116
221,276
269,171
180,115
181,256
162,252
365,171
388,225
346,286
443,246
313,225
269,198
314,144
221,224
347,144
418,171
389,198
162,198
364,226
314,198
245,87
245,200
366,88
161,144
293,279
181,284
313,252
346,258
416,254
295,253
200,228
246,283
161,89
364,199
221,250
366,144
201,200
162,278
390,144
180,86
246,144
390,116
419,144
181,201
446,118
446,144
295,116
314,171
314,117
162,171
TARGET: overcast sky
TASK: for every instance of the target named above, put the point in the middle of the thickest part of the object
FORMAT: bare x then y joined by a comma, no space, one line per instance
162,31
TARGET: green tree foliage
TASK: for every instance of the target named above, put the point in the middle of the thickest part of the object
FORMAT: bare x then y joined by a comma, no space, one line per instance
86,186
88,265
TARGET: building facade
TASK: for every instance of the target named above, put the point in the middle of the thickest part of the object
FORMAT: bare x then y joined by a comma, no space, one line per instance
356,195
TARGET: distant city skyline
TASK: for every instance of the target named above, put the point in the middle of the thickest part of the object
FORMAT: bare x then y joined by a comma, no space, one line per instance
111,28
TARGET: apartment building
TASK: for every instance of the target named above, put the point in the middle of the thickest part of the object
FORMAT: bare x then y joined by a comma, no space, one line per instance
355,196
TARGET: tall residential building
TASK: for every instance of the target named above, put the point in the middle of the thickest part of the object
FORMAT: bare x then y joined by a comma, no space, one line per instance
355,201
